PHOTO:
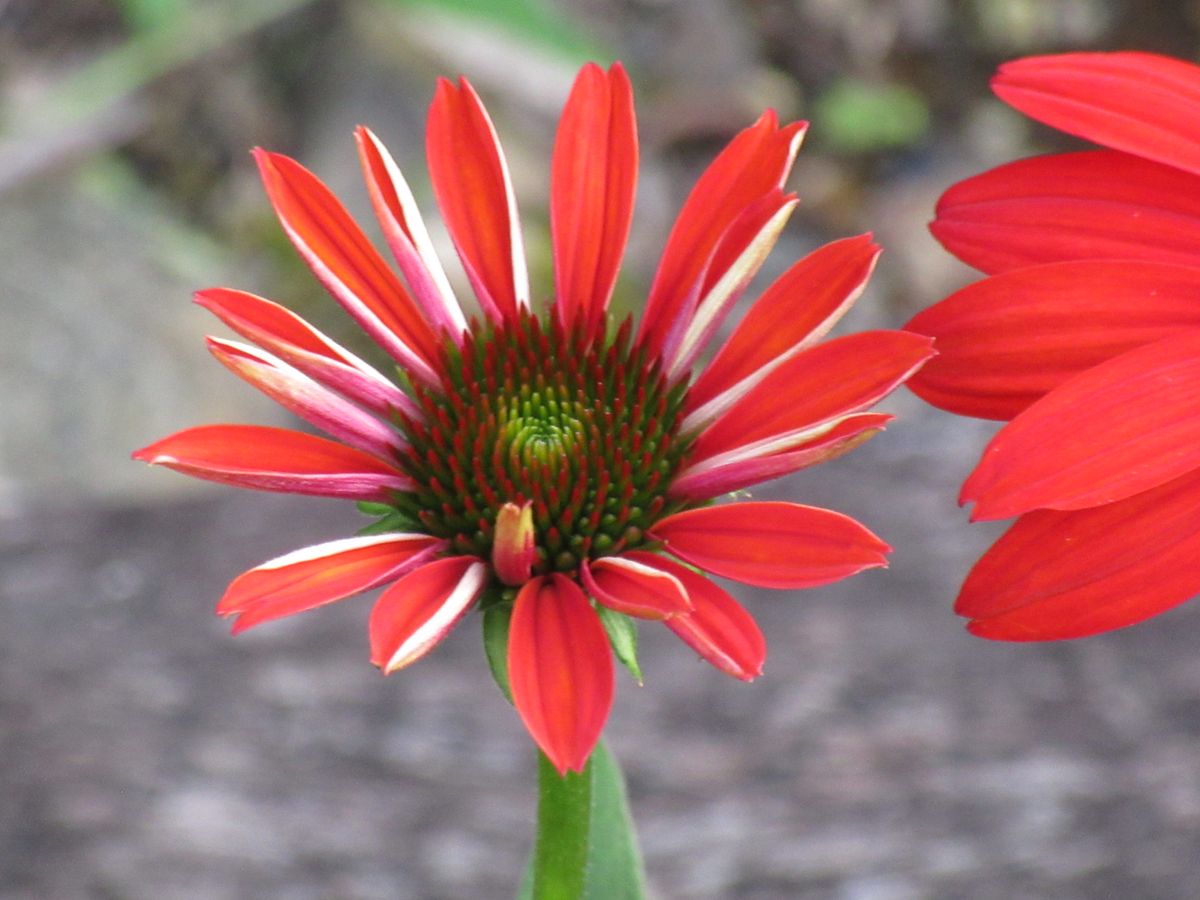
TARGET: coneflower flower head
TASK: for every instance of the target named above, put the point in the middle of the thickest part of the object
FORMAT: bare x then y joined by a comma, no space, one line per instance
550,464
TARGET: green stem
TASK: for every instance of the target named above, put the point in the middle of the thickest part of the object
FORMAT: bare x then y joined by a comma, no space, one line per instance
585,845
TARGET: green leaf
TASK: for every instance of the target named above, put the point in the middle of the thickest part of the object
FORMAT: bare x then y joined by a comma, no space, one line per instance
585,846
623,636
495,644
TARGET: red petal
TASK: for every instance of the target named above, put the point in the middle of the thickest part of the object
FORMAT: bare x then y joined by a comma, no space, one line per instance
397,212
1099,204
560,669
318,575
733,471
293,340
632,584
717,628
817,386
754,163
416,612
347,263
1003,342
1121,428
777,545
1057,575
794,312
275,459
592,184
472,186
1142,103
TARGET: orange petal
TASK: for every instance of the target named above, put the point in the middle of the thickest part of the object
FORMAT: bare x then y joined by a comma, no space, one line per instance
631,584
560,669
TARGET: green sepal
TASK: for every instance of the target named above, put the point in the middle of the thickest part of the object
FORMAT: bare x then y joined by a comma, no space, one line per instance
495,644
373,509
623,636
394,521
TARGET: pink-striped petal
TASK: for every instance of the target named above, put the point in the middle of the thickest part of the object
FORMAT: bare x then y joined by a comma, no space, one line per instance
1116,430
347,264
1004,342
560,669
630,584
414,614
803,396
1141,103
593,178
473,189
756,162
317,405
314,576
737,258
406,234
1056,575
293,340
741,468
717,628
1097,204
276,459
772,544
795,312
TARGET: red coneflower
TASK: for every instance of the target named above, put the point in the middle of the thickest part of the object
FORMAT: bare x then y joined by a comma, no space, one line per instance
546,461
1087,336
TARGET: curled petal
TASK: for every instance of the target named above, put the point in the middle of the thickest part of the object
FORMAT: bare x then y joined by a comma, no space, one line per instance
1097,204
813,390
1004,342
343,260
795,312
772,544
631,584
560,669
1141,103
743,467
276,459
1116,430
473,189
405,231
755,163
293,340
1056,575
314,576
416,612
513,543
717,628
297,392
736,259
592,183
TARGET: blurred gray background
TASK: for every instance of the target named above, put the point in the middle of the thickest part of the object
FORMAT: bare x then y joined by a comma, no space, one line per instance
885,755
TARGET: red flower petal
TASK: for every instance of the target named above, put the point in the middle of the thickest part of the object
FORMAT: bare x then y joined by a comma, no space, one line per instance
795,312
293,340
1142,103
472,186
416,612
317,405
1004,342
822,384
397,212
1057,575
592,184
560,669
318,575
1121,428
1099,204
735,470
631,584
777,545
347,263
754,163
717,628
275,459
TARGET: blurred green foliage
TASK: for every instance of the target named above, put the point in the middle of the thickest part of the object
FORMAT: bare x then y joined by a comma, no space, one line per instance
859,116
